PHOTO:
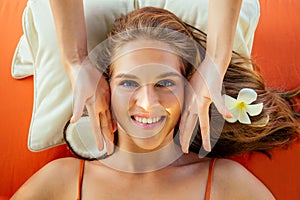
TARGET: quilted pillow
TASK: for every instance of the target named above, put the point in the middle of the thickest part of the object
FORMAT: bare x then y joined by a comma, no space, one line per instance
37,53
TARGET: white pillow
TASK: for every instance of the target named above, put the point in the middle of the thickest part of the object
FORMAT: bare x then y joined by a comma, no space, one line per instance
22,62
38,54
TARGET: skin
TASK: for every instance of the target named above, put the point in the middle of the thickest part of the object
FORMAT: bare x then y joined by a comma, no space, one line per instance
71,34
85,79
207,81
185,178
152,87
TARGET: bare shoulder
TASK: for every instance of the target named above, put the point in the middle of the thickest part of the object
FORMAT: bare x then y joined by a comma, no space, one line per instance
236,182
49,182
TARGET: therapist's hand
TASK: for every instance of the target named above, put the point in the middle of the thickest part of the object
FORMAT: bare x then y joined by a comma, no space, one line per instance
203,89
91,89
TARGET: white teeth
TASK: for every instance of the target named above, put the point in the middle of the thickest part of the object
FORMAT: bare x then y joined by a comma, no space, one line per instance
147,120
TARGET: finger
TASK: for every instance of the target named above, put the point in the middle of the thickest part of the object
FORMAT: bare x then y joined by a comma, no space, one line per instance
78,106
181,130
95,125
219,102
106,129
115,127
203,113
187,132
188,120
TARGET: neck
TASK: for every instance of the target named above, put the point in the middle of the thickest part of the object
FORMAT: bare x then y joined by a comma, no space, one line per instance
132,162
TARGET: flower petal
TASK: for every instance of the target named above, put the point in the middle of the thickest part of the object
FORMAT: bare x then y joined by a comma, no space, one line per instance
254,109
235,112
230,102
247,95
244,118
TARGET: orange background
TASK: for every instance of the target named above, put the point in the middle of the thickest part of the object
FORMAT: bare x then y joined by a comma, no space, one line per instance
276,49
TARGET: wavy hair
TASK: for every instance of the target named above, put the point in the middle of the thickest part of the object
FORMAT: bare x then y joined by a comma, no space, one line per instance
229,139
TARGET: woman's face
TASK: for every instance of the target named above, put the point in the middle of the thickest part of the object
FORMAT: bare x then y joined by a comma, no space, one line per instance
147,92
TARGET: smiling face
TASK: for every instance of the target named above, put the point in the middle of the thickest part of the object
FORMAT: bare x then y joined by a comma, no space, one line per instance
147,90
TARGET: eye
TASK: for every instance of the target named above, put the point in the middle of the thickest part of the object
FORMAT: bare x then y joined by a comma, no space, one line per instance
165,83
129,84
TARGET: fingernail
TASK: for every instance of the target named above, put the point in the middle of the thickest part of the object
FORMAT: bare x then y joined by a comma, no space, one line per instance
208,148
110,149
100,146
229,115
72,119
185,149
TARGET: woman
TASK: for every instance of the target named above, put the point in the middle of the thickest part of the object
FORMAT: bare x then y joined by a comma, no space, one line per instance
151,55
71,33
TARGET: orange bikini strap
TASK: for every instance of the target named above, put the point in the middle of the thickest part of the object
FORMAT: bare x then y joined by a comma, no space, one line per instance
209,179
80,179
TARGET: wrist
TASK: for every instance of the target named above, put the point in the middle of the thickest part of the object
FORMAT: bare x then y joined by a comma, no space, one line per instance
72,65
220,63
75,56
72,72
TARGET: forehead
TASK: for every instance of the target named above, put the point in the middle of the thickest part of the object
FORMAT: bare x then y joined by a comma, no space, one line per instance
144,56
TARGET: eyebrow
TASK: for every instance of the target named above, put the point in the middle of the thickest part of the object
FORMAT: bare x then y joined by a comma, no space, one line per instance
123,75
170,74
167,74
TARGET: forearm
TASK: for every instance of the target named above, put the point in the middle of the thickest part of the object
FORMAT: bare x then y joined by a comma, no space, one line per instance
71,31
222,22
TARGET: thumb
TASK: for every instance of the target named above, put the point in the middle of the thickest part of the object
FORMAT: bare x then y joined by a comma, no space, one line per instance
78,106
219,102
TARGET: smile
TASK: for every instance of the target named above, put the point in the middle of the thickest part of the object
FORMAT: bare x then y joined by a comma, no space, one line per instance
147,120
150,122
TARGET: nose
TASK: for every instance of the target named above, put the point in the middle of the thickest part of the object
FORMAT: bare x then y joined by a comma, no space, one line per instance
146,97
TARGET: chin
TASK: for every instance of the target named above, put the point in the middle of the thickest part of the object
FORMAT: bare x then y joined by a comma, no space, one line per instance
148,144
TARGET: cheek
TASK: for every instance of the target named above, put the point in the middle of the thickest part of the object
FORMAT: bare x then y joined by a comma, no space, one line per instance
119,103
173,101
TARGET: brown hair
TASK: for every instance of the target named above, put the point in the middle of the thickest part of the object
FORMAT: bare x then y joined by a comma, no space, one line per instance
235,138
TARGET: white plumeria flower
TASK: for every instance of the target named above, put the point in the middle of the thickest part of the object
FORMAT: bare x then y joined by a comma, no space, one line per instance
241,106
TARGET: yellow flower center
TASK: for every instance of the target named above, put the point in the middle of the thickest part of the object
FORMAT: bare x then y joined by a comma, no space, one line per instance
241,105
